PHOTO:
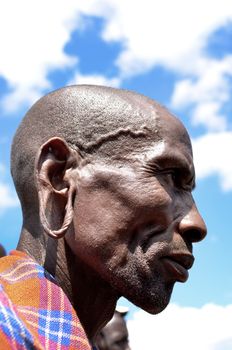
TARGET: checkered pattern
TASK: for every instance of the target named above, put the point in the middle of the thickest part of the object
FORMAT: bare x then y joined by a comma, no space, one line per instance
34,311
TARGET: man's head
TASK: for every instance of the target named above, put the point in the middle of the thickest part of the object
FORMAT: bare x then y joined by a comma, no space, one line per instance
2,251
114,336
112,172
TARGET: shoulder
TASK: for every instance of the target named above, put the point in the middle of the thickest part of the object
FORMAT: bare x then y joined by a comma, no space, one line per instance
18,272
13,332
31,300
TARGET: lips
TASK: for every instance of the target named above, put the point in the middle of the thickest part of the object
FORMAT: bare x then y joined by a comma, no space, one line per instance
177,265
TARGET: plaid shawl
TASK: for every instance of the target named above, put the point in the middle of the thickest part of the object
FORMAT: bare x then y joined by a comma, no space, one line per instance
34,311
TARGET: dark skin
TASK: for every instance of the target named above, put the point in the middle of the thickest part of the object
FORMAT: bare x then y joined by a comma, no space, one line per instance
129,224
2,251
114,336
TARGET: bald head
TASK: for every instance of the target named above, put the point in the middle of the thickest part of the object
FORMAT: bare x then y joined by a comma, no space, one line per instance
114,336
99,121
105,177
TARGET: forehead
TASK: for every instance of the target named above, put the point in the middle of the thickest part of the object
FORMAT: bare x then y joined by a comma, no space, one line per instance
173,132
173,140
148,125
164,137
169,147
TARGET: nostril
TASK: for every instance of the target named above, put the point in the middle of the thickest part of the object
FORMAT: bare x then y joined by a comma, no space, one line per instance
192,226
194,235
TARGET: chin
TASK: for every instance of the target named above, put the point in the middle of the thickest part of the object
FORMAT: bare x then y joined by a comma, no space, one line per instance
153,301
155,308
150,293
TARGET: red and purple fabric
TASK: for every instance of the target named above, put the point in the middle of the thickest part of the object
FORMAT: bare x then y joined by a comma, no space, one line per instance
35,313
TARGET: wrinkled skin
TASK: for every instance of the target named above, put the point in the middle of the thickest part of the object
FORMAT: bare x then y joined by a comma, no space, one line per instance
152,216
114,336
128,212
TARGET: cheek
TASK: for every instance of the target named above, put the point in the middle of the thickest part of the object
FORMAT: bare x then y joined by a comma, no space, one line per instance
101,213
153,200
183,203
101,223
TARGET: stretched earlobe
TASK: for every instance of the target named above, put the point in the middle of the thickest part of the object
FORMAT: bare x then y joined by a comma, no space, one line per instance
56,185
68,217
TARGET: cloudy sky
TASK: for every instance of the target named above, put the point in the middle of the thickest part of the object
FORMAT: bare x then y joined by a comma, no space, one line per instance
179,53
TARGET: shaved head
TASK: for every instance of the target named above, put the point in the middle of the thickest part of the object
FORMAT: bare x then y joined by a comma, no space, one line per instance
96,120
104,177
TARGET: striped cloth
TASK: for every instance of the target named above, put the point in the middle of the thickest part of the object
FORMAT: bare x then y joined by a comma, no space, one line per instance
34,311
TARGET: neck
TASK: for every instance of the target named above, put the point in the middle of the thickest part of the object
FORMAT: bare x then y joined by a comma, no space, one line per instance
92,298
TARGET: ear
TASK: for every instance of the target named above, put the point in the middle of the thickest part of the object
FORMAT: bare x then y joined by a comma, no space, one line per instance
101,341
56,179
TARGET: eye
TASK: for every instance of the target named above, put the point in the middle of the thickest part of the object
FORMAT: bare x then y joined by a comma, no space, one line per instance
179,179
173,178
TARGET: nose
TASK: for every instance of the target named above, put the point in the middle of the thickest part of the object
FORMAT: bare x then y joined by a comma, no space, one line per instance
192,226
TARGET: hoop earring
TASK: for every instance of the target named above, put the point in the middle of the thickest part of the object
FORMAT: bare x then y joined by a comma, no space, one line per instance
57,234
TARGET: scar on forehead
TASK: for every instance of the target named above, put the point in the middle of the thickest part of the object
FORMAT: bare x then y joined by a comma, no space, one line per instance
113,135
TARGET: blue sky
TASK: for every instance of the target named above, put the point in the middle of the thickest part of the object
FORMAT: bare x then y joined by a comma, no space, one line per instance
179,53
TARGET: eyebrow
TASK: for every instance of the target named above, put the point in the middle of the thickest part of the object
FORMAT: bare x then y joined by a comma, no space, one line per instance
172,160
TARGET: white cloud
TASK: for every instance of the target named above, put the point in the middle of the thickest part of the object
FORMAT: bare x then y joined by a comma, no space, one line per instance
208,114
210,85
175,35
2,169
207,91
33,35
172,34
20,96
206,328
94,79
7,198
212,156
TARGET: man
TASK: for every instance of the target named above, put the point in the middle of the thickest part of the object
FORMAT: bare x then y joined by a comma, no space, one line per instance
2,251
104,177
114,336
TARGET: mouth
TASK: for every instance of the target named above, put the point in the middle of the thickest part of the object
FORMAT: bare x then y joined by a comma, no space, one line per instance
177,265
